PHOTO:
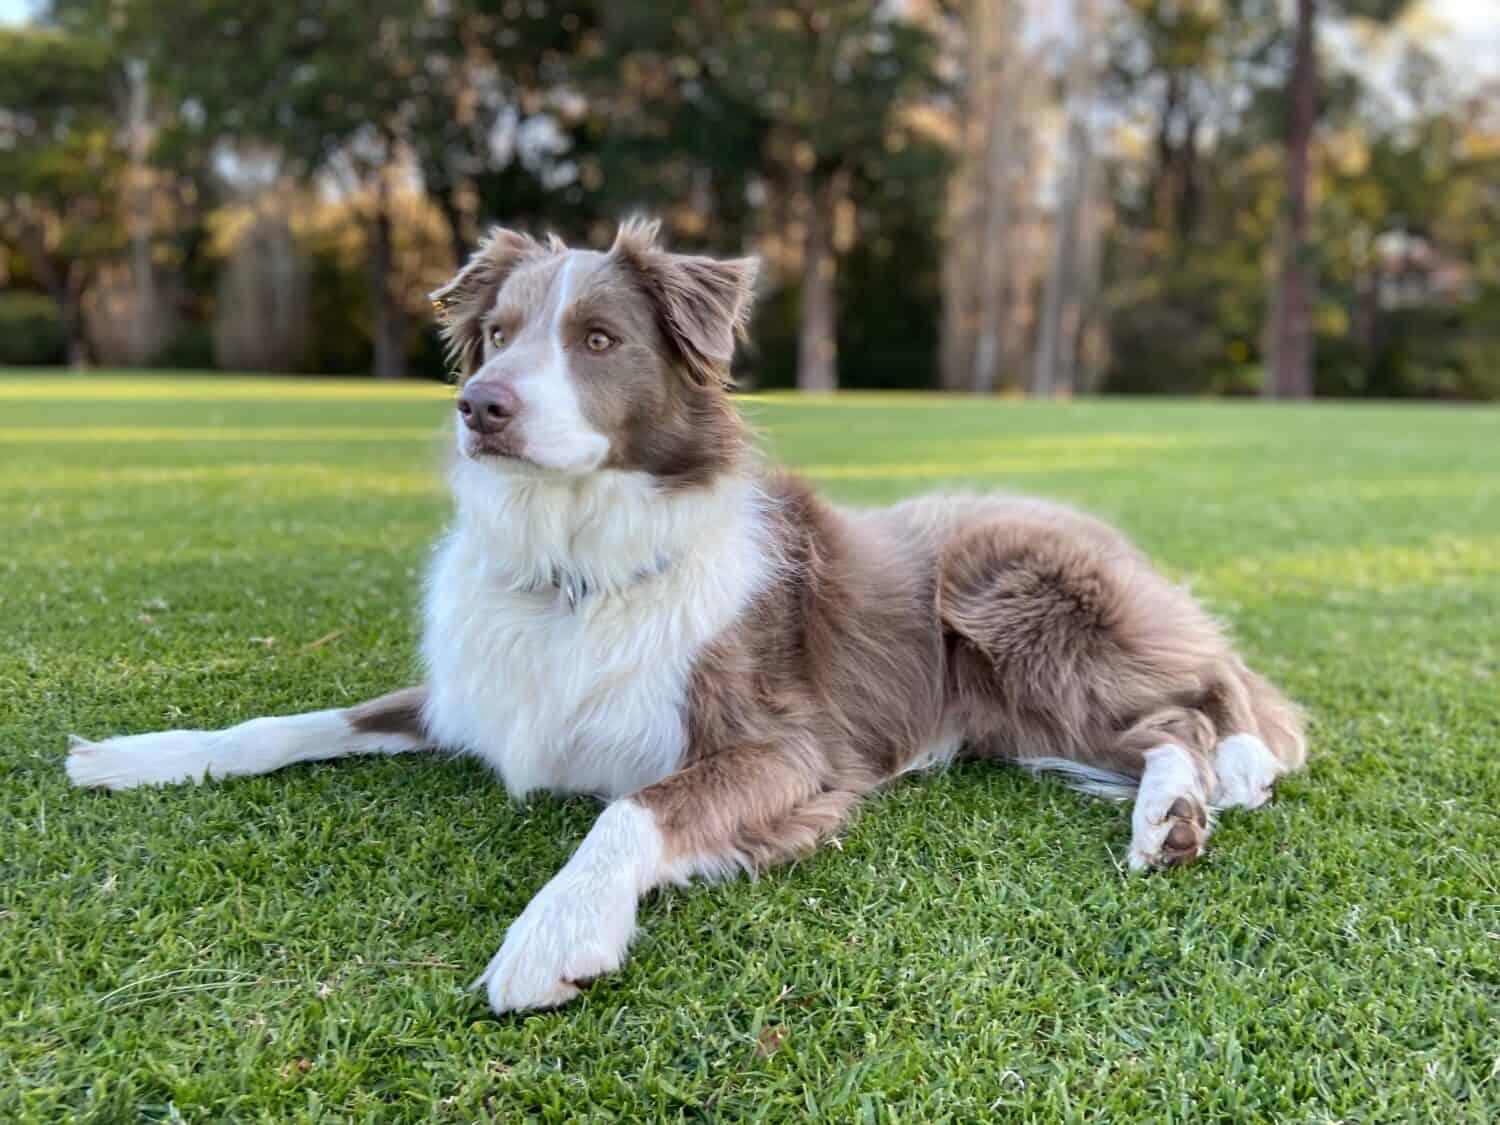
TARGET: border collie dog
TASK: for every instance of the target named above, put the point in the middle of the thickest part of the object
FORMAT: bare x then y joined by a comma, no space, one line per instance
629,605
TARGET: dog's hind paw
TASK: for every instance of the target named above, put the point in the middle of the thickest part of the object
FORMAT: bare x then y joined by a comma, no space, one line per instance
1245,770
1176,838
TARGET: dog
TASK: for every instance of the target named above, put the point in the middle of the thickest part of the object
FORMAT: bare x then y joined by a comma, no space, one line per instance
629,605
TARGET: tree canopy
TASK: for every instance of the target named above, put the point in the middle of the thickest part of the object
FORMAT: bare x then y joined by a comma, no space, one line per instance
1105,199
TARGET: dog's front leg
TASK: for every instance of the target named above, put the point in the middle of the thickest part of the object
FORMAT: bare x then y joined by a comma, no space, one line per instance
579,925
391,724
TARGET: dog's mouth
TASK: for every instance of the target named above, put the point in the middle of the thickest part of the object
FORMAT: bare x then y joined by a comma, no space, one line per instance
488,447
506,451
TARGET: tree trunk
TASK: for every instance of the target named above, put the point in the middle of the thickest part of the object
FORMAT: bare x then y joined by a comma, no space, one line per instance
1164,203
965,206
1090,339
817,337
143,310
1054,370
386,327
64,283
1187,208
1290,373
995,49
70,318
987,271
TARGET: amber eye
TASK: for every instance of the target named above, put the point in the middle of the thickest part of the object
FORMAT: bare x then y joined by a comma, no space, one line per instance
599,342
497,337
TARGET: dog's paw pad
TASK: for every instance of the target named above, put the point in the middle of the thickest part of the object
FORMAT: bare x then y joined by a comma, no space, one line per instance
1177,838
1186,811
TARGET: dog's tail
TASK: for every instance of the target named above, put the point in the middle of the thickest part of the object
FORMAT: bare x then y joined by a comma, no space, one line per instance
1085,778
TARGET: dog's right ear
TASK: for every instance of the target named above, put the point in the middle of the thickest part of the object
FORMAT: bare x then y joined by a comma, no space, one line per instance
461,304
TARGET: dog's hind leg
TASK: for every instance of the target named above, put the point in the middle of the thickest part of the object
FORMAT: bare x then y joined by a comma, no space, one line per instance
1261,740
1169,824
391,724
1239,734
1069,651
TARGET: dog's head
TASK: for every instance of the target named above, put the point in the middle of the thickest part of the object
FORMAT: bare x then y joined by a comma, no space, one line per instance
574,361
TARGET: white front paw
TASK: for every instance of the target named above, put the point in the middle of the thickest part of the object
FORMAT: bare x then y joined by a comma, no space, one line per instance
566,936
162,758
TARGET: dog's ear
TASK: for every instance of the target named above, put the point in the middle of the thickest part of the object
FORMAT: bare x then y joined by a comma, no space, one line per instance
704,303
461,304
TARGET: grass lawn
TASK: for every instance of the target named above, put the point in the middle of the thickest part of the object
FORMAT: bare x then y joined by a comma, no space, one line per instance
195,552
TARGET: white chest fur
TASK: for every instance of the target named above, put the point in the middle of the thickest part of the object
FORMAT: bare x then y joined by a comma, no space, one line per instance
592,698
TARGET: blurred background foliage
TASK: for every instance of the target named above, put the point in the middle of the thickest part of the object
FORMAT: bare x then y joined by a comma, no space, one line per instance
1183,196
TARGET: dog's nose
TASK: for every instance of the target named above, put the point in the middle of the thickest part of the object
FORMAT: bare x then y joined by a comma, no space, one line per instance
487,407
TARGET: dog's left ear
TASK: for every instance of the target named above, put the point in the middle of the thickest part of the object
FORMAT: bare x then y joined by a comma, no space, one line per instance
704,303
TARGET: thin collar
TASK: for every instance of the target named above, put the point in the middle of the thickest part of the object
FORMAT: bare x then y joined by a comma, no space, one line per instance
574,587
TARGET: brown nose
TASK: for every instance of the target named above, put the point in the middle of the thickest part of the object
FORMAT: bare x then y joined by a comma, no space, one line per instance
487,407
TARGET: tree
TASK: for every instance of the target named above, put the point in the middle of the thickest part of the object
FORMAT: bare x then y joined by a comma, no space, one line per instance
997,57
262,309
1068,287
988,196
329,89
761,116
995,219
61,156
494,119
1291,360
829,83
1290,374
1192,185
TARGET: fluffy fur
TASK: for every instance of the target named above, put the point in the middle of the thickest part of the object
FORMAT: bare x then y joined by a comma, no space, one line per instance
628,605
588,698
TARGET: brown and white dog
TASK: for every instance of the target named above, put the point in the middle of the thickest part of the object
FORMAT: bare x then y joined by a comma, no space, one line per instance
628,606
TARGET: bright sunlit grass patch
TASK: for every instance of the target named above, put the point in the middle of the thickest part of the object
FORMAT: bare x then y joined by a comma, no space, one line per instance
1443,560
82,435
298,477
976,458
295,947
110,387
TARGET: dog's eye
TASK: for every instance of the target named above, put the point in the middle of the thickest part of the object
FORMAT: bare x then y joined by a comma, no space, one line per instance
599,342
497,337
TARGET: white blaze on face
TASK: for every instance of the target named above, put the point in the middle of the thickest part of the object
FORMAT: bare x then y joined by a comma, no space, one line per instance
554,432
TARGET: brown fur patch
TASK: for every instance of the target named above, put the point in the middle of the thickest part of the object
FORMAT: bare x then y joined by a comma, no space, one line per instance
1070,645
659,416
785,733
1030,629
704,303
400,712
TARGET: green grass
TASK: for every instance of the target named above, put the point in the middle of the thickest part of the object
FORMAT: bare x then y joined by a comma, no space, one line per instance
297,946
